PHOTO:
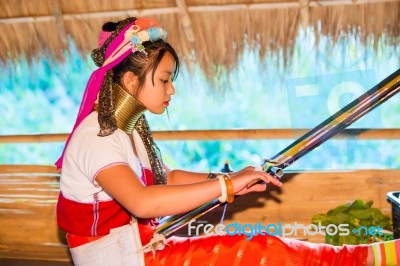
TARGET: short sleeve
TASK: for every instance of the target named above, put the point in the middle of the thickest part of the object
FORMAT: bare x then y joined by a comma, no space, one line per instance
95,153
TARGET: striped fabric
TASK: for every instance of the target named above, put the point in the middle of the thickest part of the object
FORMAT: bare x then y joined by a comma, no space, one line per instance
386,253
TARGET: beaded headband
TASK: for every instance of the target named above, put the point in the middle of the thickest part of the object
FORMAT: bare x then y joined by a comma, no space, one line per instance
129,40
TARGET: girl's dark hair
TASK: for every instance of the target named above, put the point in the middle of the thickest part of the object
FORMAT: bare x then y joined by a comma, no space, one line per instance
110,26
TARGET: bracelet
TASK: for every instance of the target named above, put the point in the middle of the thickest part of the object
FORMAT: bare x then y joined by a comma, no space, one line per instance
224,191
229,188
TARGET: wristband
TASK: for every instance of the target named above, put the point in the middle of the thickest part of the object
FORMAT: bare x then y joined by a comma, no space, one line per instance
224,191
229,188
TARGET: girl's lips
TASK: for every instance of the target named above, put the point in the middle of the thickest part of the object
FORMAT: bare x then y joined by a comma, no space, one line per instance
166,103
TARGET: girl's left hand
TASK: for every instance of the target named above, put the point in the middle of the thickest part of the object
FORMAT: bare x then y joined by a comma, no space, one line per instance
256,180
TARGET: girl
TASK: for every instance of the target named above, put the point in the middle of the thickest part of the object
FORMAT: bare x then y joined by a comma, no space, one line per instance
113,182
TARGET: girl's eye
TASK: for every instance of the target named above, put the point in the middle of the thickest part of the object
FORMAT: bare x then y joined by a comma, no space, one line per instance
164,81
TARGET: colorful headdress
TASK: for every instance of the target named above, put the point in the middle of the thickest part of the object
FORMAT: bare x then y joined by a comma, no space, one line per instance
121,44
138,36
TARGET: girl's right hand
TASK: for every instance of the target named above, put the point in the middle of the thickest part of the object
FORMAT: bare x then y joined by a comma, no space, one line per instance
248,180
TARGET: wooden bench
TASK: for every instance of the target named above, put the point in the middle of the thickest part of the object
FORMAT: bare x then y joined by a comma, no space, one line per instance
28,194
28,228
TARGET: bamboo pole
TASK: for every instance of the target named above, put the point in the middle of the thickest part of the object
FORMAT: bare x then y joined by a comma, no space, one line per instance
226,134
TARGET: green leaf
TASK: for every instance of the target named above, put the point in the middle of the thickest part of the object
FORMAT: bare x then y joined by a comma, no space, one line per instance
368,204
361,214
358,204
350,239
339,209
318,218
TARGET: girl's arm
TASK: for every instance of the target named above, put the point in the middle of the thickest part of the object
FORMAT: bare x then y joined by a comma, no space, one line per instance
122,184
180,177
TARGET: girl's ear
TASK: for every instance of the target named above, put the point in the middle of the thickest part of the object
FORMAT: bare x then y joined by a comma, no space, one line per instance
130,82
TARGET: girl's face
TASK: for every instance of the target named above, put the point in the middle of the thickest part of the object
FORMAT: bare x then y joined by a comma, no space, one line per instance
158,96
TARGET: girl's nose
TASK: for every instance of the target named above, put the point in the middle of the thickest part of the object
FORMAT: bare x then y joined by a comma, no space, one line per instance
171,89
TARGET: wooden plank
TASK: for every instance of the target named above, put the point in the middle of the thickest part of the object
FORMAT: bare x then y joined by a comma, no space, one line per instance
6,169
28,195
225,134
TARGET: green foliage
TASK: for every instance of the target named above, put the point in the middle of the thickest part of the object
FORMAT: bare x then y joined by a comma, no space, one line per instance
361,220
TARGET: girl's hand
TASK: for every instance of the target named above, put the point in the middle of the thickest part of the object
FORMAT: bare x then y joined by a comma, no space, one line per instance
247,180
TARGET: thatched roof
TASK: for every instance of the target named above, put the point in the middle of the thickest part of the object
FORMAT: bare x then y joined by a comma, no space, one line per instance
213,29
